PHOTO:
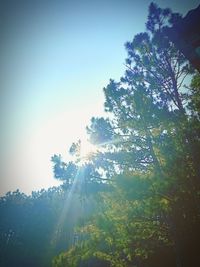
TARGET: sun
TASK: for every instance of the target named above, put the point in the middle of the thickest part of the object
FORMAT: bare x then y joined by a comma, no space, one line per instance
87,149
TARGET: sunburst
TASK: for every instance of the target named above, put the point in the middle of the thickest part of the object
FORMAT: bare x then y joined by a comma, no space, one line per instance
87,150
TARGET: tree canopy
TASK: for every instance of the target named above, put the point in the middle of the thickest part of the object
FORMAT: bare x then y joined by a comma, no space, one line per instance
148,151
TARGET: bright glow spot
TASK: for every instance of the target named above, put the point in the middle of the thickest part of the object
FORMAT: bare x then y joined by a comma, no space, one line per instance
86,150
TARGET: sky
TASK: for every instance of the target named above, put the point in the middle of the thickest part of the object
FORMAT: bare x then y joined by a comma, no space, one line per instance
56,57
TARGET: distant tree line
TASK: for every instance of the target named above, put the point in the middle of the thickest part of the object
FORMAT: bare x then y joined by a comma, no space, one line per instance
35,228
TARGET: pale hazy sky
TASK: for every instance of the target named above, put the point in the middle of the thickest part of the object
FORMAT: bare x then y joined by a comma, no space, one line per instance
56,56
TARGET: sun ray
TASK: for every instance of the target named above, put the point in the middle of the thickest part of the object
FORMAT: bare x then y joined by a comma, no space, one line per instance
78,180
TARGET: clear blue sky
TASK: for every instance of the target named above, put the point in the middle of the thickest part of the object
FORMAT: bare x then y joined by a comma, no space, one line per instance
56,56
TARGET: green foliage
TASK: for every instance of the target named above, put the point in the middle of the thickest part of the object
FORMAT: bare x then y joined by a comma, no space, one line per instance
149,152
195,97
